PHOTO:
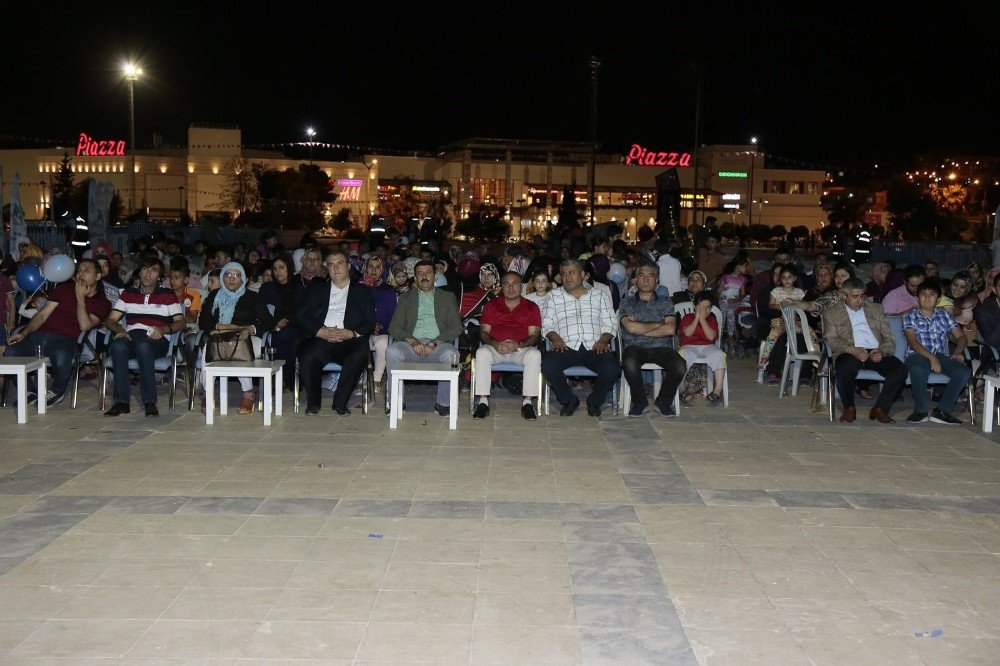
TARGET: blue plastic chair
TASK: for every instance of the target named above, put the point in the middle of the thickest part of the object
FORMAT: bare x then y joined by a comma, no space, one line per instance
496,367
579,371
170,362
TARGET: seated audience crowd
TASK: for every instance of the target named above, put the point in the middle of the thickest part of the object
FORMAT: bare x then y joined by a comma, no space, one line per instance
609,316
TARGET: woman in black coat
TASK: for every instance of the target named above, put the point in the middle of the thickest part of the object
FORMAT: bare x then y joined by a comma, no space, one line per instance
284,293
234,307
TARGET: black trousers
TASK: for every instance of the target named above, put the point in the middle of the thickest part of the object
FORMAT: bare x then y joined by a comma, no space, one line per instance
776,361
605,365
314,353
674,370
847,367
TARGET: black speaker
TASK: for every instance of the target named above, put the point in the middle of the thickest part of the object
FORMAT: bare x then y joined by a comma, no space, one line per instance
668,202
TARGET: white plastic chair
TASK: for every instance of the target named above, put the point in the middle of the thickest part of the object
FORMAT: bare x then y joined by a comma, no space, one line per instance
710,381
794,358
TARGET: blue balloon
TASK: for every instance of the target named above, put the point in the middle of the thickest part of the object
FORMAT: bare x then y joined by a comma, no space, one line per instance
29,278
617,272
58,268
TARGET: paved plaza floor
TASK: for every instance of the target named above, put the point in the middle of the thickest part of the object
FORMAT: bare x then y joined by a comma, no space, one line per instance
761,533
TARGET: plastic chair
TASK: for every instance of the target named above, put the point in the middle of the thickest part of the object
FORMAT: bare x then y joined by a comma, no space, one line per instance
709,384
579,371
169,362
795,359
195,372
386,392
365,380
87,356
496,367
935,378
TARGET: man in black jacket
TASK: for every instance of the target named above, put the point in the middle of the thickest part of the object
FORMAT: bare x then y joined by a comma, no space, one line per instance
338,316
987,317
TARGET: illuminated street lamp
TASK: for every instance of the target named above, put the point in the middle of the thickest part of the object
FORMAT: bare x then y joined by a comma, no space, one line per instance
368,188
132,73
310,132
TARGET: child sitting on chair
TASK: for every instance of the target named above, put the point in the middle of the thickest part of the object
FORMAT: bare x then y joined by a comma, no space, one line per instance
697,334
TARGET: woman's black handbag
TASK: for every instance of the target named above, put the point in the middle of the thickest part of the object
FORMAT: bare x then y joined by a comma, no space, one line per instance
228,346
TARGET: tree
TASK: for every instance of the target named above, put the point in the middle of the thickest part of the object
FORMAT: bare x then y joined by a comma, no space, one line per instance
727,230
569,216
950,197
916,216
240,192
62,186
844,206
292,198
760,232
485,223
778,231
79,202
401,207
343,221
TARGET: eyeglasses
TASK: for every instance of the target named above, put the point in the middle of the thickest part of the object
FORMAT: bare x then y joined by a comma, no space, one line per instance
233,274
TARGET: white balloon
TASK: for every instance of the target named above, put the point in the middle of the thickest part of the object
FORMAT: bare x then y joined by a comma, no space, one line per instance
297,259
58,268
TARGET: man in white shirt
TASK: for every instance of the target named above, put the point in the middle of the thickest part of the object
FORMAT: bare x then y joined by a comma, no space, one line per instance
670,270
580,323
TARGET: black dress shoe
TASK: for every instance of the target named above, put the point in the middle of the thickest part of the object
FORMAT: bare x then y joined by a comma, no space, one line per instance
482,411
151,409
593,410
528,412
118,409
312,410
343,411
442,410
570,407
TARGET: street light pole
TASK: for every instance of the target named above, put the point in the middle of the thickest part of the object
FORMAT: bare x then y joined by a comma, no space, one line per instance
595,65
368,191
753,158
310,132
132,74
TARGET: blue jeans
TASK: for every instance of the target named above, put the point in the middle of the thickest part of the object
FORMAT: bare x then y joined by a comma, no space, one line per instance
145,351
61,349
920,368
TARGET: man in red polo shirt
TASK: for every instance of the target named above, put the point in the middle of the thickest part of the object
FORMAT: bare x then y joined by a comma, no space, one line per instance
509,328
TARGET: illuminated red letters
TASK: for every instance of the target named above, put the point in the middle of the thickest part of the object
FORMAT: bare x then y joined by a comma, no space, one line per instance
639,155
92,147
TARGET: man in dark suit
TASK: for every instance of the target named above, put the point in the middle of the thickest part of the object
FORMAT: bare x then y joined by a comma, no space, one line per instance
337,316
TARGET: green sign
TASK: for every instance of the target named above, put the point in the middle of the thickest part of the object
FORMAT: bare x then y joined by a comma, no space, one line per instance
732,174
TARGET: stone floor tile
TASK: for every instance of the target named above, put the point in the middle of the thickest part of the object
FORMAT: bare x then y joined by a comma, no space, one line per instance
392,642
526,645
728,647
81,639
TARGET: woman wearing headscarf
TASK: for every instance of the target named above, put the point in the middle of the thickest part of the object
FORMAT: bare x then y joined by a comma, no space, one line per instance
234,307
474,300
400,279
447,276
284,293
696,282
384,297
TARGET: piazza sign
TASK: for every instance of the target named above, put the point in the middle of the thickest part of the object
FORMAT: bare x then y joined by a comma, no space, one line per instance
90,147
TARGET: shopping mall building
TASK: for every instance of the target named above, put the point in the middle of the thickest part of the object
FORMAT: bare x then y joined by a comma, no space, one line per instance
528,178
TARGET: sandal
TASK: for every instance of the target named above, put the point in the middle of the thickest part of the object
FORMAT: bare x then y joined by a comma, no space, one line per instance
863,393
247,405
713,399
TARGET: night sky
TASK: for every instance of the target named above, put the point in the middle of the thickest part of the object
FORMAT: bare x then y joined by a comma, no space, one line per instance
848,86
